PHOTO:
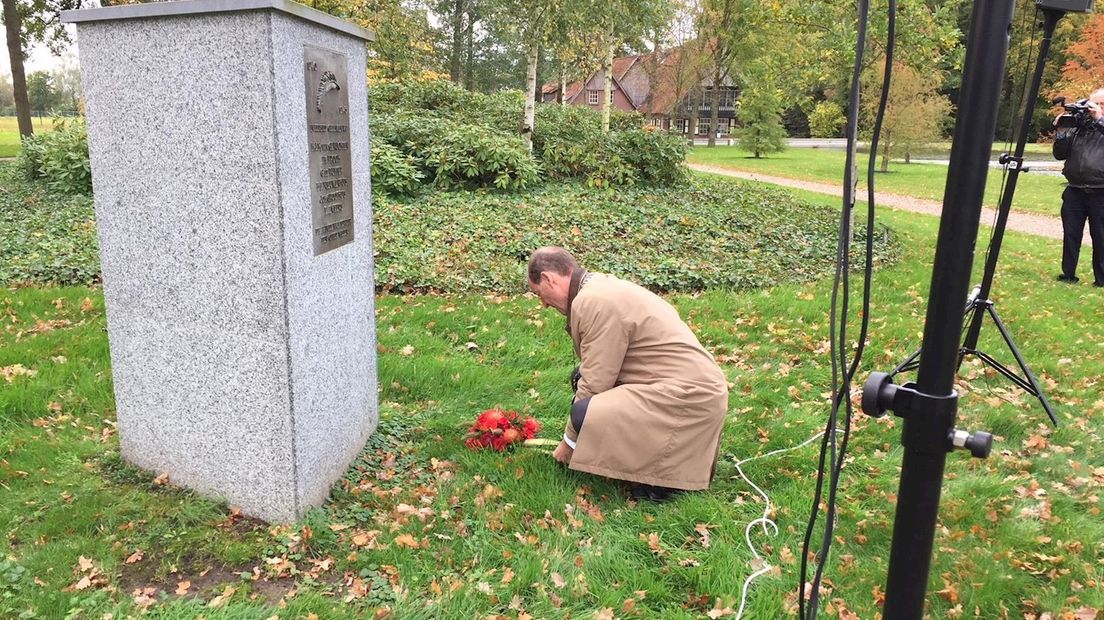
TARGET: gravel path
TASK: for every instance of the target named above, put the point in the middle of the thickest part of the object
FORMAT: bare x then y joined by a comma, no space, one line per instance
1030,223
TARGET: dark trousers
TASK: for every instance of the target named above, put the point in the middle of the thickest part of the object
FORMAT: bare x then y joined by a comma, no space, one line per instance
1079,206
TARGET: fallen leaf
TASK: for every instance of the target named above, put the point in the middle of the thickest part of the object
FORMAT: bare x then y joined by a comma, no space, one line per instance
134,557
606,613
223,598
558,580
406,540
182,587
704,538
408,350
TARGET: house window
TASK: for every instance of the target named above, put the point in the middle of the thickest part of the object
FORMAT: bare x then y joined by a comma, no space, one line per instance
656,122
680,125
705,124
592,97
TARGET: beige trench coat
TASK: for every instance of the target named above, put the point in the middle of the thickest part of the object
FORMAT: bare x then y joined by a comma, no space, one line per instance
659,399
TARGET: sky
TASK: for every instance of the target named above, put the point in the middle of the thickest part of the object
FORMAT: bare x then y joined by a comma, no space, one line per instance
40,58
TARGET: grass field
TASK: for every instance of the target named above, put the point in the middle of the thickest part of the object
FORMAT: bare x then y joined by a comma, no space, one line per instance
1035,193
425,528
9,133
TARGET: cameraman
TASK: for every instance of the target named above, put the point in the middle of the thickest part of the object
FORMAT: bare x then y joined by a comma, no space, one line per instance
1080,142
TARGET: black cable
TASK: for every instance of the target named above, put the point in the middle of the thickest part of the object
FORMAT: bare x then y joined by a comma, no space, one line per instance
841,390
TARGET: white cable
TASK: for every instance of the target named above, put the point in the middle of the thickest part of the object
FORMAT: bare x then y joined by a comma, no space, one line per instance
768,525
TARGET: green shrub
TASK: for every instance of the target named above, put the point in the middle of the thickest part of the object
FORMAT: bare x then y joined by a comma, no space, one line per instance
622,121
569,123
393,171
710,234
657,156
826,120
45,238
471,156
60,157
448,102
593,159
453,155
460,139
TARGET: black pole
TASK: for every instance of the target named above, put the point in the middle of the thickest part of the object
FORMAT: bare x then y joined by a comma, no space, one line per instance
928,428
1050,21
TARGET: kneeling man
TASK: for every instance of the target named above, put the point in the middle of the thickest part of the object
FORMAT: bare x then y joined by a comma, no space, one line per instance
650,401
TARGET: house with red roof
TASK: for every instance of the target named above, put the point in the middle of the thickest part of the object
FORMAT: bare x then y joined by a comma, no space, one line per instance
661,86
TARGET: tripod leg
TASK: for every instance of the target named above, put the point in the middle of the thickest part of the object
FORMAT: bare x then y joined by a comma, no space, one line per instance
910,363
1023,365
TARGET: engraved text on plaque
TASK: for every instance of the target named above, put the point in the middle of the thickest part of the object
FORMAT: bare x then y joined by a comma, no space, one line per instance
331,172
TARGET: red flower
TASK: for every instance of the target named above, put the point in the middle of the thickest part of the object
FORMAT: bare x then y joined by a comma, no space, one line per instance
530,428
499,429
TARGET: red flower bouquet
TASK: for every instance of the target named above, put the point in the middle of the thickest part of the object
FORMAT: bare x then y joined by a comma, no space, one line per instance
498,429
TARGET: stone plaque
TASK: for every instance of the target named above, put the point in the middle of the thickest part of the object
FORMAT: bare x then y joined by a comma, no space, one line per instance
331,171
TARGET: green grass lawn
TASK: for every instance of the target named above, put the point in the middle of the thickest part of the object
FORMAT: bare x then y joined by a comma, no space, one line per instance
9,133
426,528
1035,193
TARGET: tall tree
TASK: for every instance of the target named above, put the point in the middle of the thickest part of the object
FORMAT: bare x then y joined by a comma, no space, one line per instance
761,116
41,92
1083,72
27,23
820,40
724,27
915,110
530,25
67,84
7,95
621,23
406,45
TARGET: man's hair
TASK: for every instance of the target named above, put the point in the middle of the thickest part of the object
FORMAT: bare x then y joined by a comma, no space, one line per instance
556,260
1096,93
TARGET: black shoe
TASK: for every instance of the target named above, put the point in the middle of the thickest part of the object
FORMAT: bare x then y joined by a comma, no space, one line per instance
1098,284
1064,278
653,493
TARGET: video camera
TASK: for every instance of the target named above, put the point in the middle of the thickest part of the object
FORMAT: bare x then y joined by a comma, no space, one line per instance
1077,116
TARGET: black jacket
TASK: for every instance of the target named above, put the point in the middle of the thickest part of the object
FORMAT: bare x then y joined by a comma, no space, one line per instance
1083,151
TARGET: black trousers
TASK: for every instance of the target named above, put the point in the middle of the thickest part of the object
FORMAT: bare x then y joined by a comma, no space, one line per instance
1079,206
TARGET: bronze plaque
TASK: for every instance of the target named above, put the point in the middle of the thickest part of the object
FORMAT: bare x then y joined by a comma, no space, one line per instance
331,171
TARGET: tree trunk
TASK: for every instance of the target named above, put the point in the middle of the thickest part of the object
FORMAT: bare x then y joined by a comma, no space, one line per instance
457,40
530,96
907,155
714,108
19,78
885,153
469,33
695,111
607,90
563,85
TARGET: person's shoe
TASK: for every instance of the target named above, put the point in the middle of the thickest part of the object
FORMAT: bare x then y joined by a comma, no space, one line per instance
1064,278
1098,284
653,493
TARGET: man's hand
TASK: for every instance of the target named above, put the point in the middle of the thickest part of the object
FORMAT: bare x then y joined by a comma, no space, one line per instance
1096,111
563,453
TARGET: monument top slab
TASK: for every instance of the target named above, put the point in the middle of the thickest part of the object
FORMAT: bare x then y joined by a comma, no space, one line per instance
199,7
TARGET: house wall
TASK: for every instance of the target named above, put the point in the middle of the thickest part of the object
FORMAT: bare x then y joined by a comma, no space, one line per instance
597,83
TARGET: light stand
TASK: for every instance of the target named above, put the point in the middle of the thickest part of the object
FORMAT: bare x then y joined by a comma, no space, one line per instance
979,305
929,406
